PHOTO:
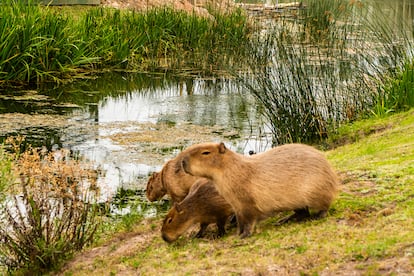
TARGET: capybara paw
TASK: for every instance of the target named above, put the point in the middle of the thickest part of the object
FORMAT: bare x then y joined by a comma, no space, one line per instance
245,234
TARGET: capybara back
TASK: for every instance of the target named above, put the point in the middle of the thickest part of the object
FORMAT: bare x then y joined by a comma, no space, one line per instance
289,177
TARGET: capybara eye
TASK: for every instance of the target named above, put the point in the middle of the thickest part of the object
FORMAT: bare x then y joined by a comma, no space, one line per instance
169,220
205,152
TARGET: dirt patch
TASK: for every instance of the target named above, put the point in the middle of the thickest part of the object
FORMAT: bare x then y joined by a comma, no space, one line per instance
121,245
358,184
390,266
198,7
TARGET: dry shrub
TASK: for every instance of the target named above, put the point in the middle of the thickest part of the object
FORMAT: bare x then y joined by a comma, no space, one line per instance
49,213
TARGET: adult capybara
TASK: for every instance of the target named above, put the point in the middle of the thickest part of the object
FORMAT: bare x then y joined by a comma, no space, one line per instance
202,205
171,180
289,177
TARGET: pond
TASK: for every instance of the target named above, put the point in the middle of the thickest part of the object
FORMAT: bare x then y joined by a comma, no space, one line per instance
130,125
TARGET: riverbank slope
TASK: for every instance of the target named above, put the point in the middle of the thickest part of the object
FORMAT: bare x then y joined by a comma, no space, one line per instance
369,229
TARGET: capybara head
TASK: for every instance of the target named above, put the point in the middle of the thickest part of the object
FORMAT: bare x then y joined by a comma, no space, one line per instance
175,223
155,190
199,156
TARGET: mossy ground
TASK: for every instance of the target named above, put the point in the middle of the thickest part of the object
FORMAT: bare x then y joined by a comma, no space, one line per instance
369,229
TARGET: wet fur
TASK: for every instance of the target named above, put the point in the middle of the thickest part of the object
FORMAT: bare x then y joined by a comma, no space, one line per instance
203,205
289,177
171,180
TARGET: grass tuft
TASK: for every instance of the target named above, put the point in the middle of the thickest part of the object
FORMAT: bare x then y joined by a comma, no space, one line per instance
50,213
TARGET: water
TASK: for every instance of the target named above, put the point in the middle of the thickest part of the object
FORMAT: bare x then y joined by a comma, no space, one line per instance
130,125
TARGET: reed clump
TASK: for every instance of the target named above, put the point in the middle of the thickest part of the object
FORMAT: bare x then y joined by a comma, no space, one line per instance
42,44
331,64
49,213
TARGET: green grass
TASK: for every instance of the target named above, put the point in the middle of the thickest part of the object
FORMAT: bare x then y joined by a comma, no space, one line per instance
6,174
368,230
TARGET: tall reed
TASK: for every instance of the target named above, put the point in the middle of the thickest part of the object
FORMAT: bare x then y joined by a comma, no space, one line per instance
297,74
42,44
37,44
396,92
320,69
390,61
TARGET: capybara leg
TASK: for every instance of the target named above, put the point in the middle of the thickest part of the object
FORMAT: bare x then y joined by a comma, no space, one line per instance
246,225
233,221
245,231
220,227
203,228
300,214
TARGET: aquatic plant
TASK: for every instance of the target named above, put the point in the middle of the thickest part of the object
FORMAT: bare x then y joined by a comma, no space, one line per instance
396,91
50,212
390,62
300,75
41,43
322,68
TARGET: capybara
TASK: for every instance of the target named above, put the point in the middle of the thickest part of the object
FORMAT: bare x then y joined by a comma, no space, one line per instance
203,205
293,177
171,180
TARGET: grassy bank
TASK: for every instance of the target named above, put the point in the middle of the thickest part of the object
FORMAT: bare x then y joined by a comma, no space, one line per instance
369,229
41,44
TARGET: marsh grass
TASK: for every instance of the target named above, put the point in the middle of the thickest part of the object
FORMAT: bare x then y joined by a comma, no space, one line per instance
301,73
42,43
396,92
337,61
49,214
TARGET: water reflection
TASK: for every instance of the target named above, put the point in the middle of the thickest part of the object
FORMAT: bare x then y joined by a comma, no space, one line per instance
211,103
124,104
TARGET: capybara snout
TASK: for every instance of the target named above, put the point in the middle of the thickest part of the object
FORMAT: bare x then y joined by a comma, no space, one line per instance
165,238
171,180
164,235
155,189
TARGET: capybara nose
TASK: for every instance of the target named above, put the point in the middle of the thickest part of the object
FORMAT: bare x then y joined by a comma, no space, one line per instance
166,238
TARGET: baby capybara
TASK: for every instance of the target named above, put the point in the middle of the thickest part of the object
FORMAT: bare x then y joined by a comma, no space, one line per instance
171,180
203,205
293,177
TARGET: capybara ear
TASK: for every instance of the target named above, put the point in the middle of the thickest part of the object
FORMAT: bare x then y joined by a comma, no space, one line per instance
222,148
178,208
177,167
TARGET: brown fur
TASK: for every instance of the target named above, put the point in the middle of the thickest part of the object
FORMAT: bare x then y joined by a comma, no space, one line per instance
202,205
171,180
289,177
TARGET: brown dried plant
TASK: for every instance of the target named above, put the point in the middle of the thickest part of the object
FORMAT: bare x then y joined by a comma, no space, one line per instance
50,212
